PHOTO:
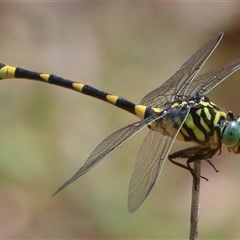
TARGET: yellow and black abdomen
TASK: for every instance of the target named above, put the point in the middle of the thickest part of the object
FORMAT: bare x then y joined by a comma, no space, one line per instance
201,123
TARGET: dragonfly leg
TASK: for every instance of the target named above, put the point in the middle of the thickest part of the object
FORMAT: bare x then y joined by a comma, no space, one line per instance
191,160
212,164
187,167
193,154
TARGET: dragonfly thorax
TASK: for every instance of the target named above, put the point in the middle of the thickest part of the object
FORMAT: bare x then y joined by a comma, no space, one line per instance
173,118
200,124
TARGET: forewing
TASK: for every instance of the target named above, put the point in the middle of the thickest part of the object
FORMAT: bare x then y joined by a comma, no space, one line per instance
151,158
180,81
110,144
207,81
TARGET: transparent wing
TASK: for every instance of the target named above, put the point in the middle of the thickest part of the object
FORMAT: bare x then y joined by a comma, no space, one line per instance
110,144
151,158
149,163
180,81
207,81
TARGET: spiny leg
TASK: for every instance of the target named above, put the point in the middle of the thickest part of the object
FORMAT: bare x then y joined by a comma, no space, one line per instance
212,164
191,160
188,167
192,154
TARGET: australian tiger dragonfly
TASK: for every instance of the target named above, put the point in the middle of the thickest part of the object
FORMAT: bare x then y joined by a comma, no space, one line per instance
178,109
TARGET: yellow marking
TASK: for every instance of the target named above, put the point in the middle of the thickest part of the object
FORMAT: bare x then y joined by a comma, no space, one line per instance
198,112
207,113
175,105
155,127
214,141
152,125
78,86
205,104
7,72
140,110
183,130
112,98
44,76
219,114
197,132
157,110
180,136
213,104
180,104
189,121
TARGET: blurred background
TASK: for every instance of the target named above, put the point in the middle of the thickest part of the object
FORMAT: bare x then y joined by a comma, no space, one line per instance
47,132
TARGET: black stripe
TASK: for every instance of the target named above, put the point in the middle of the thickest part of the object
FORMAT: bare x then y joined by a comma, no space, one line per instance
208,122
93,92
196,120
185,137
121,102
125,104
2,65
149,112
66,83
53,79
197,123
190,133
63,82
22,73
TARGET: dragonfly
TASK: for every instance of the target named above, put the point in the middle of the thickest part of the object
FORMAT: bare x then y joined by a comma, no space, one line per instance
178,109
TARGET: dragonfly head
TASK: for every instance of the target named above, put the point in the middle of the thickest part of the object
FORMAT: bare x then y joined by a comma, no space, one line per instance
231,134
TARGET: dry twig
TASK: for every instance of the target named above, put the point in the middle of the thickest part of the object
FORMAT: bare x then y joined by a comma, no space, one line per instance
195,206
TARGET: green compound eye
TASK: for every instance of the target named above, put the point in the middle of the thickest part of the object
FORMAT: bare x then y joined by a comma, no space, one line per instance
231,134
